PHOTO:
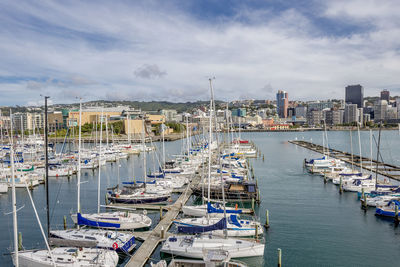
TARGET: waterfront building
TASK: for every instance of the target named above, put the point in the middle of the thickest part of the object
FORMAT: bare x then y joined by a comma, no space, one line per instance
239,112
351,113
28,121
380,109
282,103
300,111
91,114
170,114
355,95
391,113
385,95
315,117
320,105
333,117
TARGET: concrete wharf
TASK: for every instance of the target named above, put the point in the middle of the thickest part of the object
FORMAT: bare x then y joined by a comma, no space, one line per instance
384,169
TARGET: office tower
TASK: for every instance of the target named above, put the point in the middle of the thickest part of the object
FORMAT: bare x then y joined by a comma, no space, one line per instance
385,95
282,103
355,95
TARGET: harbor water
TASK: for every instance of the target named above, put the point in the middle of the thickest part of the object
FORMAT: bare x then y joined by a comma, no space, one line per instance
310,221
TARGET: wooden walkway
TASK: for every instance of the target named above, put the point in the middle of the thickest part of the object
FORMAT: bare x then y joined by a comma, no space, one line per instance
154,237
384,169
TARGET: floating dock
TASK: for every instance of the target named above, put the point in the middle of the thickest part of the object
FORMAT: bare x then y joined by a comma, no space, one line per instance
384,169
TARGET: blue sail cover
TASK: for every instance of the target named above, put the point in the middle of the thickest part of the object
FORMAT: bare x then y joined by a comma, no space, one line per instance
394,201
211,209
351,174
87,222
312,161
161,175
201,229
233,220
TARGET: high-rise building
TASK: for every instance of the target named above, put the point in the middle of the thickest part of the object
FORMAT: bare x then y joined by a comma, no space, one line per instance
282,103
350,113
380,109
319,105
385,95
355,95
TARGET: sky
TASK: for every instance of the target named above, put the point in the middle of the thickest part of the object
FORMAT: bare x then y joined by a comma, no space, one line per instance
168,50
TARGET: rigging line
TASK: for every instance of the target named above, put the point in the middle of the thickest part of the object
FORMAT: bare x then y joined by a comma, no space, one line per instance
55,202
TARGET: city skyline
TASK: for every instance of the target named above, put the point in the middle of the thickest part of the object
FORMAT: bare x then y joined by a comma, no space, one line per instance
166,51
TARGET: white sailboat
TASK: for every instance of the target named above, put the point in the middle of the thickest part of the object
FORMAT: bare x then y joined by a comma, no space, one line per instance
193,246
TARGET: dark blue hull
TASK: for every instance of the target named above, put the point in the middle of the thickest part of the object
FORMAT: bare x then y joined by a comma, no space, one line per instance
139,201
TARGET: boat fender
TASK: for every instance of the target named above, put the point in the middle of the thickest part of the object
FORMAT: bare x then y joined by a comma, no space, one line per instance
115,245
236,206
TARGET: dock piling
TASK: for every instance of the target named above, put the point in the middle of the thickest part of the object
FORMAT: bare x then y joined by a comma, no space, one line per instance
396,215
266,219
65,222
252,204
19,241
279,257
340,186
325,180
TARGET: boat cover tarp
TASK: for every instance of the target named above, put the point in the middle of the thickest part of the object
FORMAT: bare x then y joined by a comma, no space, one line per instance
85,221
201,229
211,209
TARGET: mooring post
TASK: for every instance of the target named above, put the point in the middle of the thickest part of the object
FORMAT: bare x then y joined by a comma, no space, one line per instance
65,222
19,241
263,157
279,257
340,186
266,219
256,232
252,203
396,214
162,235
364,200
325,177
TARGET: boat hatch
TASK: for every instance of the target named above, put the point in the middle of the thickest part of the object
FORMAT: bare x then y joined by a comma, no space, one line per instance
172,239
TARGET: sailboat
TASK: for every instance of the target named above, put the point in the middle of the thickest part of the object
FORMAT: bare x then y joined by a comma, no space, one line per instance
122,220
68,256
141,195
193,246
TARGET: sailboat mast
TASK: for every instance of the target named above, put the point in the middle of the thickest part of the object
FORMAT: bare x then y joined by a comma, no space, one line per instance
46,152
377,156
209,147
359,145
100,153
370,150
351,148
79,157
14,198
144,154
163,145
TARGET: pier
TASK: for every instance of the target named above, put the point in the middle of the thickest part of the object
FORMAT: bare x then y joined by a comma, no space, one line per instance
158,234
384,169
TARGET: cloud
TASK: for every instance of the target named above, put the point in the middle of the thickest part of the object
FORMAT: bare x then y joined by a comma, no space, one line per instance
119,50
149,71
